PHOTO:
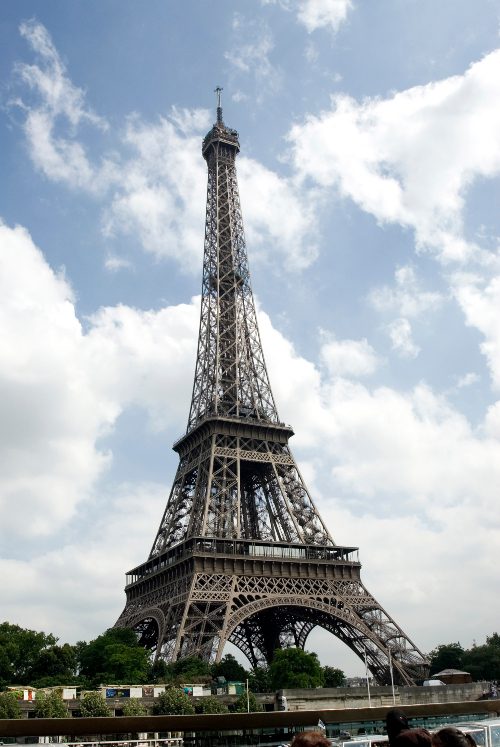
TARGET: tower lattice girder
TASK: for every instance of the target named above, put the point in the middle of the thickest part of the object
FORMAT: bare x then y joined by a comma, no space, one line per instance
242,554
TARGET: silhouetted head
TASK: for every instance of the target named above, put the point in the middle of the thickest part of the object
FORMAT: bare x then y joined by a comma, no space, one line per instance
450,736
310,739
412,738
396,722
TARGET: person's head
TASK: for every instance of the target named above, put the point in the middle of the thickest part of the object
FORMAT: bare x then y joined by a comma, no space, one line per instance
310,739
450,736
396,722
412,738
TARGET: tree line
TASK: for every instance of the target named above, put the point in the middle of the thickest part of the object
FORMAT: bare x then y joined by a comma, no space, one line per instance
482,662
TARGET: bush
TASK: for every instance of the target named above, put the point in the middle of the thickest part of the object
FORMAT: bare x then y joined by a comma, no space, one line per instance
9,706
50,705
242,705
93,704
173,702
134,707
211,704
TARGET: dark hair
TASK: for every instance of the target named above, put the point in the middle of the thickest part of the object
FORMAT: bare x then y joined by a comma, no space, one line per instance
396,722
450,736
310,739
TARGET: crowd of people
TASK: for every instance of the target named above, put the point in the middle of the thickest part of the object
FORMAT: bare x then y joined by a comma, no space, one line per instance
400,734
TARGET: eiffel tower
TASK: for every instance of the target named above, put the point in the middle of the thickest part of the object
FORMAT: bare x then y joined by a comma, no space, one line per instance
242,554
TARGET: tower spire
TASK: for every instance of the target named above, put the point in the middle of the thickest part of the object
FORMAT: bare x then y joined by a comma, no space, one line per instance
218,92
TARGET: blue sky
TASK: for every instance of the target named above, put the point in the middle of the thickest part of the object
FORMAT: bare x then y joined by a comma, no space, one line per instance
369,179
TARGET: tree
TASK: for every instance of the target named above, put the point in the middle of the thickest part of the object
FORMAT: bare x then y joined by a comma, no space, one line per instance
229,668
114,656
134,707
483,662
259,680
211,704
50,705
55,665
190,669
9,705
242,706
20,649
173,702
333,677
293,667
446,656
93,704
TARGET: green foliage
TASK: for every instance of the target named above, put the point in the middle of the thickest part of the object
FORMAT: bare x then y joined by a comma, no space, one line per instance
241,705
115,656
333,677
211,704
190,669
54,666
229,668
483,662
50,705
160,672
173,701
292,667
493,640
9,705
133,707
93,704
259,680
446,656
20,649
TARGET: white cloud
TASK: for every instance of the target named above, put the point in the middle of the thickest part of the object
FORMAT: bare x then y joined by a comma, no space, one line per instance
60,96
349,357
317,14
400,333
407,297
151,180
61,389
480,302
410,158
278,217
161,193
114,263
75,589
250,58
58,101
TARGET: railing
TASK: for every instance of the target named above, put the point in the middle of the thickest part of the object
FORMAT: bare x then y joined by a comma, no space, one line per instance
245,549
234,722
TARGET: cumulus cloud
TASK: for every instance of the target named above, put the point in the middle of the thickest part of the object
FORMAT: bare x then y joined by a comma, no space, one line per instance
401,336
62,389
317,14
349,357
410,158
406,297
480,302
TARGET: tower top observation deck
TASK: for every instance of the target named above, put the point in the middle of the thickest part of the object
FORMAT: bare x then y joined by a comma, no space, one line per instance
219,134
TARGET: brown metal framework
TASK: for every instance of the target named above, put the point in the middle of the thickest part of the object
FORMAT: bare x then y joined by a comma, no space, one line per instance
242,554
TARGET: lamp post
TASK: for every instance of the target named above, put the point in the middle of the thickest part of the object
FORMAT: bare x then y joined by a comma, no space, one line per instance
392,676
367,681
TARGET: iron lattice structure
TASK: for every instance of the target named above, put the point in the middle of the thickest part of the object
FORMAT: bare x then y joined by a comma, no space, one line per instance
242,554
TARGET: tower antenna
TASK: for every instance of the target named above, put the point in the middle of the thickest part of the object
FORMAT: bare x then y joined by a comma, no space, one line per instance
218,91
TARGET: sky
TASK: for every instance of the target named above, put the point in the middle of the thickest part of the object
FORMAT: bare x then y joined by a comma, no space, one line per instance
369,176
